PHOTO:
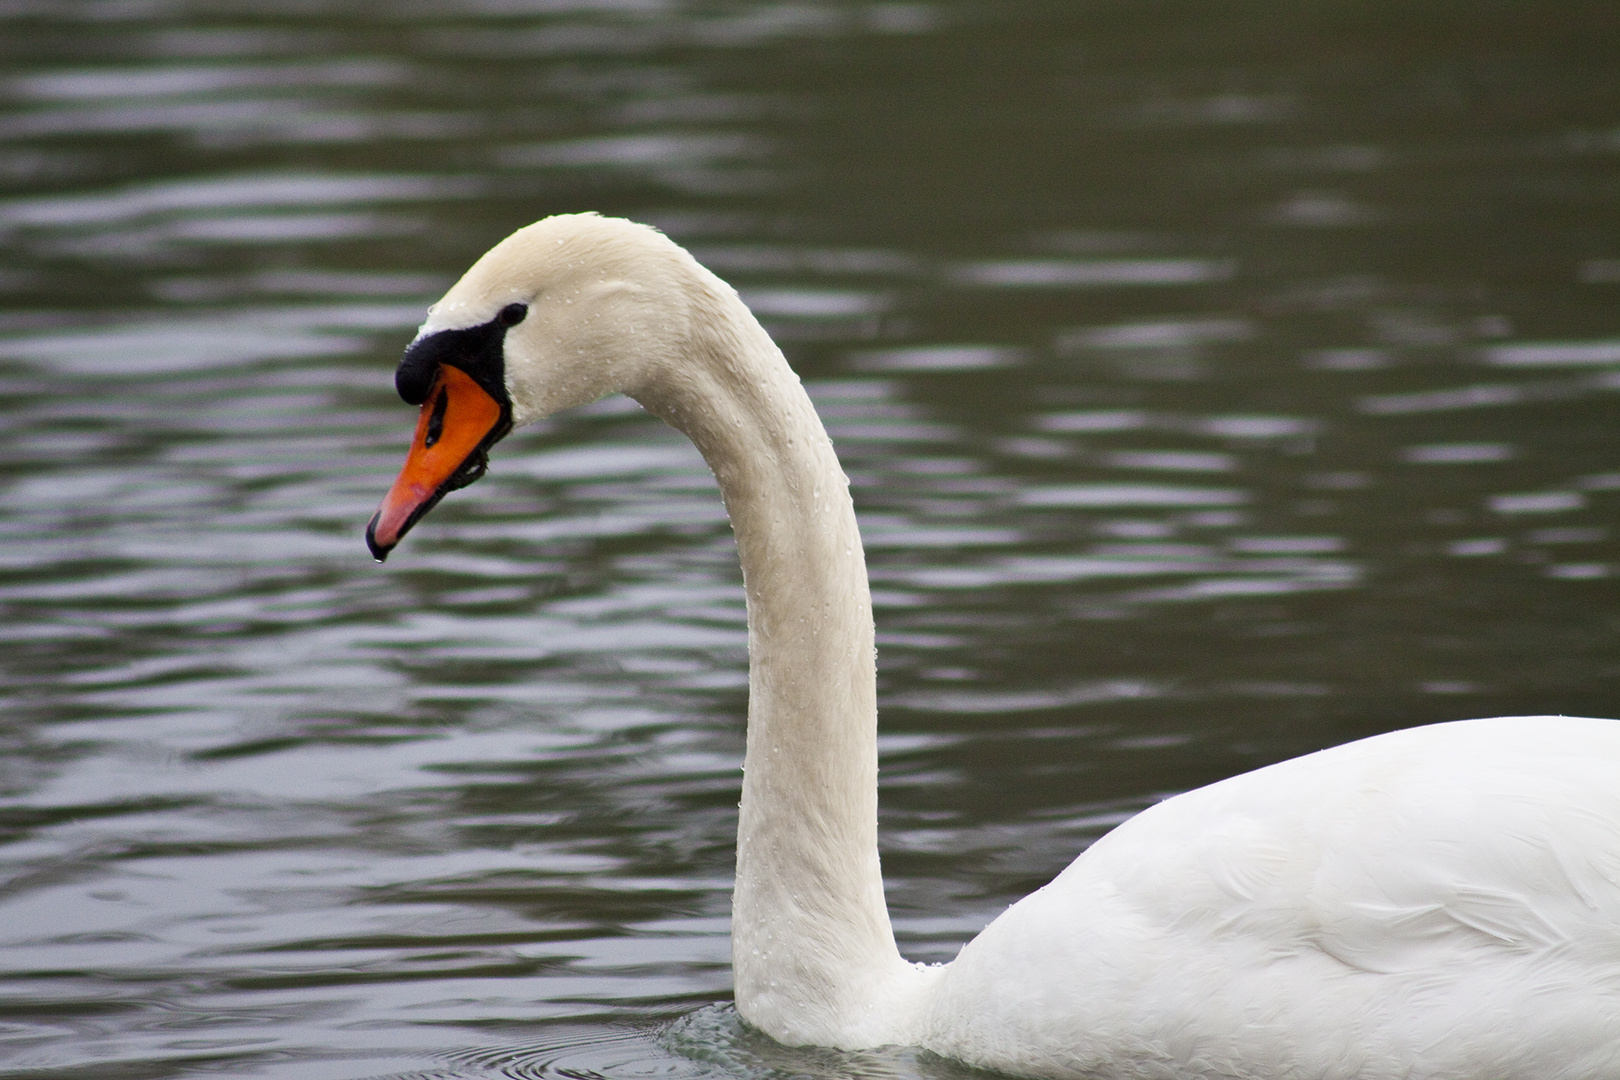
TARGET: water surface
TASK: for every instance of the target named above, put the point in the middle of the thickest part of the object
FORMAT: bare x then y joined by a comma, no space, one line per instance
1214,387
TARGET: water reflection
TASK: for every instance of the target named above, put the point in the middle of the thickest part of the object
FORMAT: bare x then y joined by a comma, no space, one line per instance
1202,405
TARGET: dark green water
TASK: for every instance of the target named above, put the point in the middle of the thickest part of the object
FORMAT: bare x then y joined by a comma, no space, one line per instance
1218,382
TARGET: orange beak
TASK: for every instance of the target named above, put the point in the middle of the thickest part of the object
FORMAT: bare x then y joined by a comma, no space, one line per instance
459,422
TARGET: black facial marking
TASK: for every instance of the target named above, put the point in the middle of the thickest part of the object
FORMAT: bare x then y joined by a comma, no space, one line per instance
477,350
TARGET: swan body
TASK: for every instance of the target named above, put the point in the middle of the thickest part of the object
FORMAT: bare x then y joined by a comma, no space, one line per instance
1441,902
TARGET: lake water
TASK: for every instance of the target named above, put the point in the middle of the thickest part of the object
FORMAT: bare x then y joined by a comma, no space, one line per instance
1217,383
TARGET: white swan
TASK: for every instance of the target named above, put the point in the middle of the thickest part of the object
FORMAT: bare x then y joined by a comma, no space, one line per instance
1437,902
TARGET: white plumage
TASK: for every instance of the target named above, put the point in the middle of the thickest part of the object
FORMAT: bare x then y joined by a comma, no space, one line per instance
1442,902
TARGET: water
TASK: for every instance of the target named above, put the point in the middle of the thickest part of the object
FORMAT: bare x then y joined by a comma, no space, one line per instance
1215,386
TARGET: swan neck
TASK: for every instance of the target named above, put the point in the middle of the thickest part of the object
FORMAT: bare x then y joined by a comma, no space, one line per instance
813,951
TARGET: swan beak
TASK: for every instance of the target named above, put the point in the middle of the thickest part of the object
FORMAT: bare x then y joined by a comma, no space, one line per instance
458,423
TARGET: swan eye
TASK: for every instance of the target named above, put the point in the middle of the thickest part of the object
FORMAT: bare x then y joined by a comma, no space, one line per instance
512,314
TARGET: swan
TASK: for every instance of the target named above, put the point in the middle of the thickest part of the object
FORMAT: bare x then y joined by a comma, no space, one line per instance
1438,902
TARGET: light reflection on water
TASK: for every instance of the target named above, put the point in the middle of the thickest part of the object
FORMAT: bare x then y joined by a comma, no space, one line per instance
1202,406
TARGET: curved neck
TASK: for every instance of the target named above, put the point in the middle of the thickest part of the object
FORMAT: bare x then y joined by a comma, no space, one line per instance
813,952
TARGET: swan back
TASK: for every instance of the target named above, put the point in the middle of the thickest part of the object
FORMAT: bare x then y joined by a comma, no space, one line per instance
1441,902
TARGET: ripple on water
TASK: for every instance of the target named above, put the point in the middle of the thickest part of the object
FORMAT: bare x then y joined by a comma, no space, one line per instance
1190,423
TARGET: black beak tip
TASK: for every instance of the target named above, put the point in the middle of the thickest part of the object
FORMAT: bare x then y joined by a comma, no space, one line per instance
378,552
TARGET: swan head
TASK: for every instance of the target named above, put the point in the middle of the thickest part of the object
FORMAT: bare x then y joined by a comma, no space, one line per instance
560,313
